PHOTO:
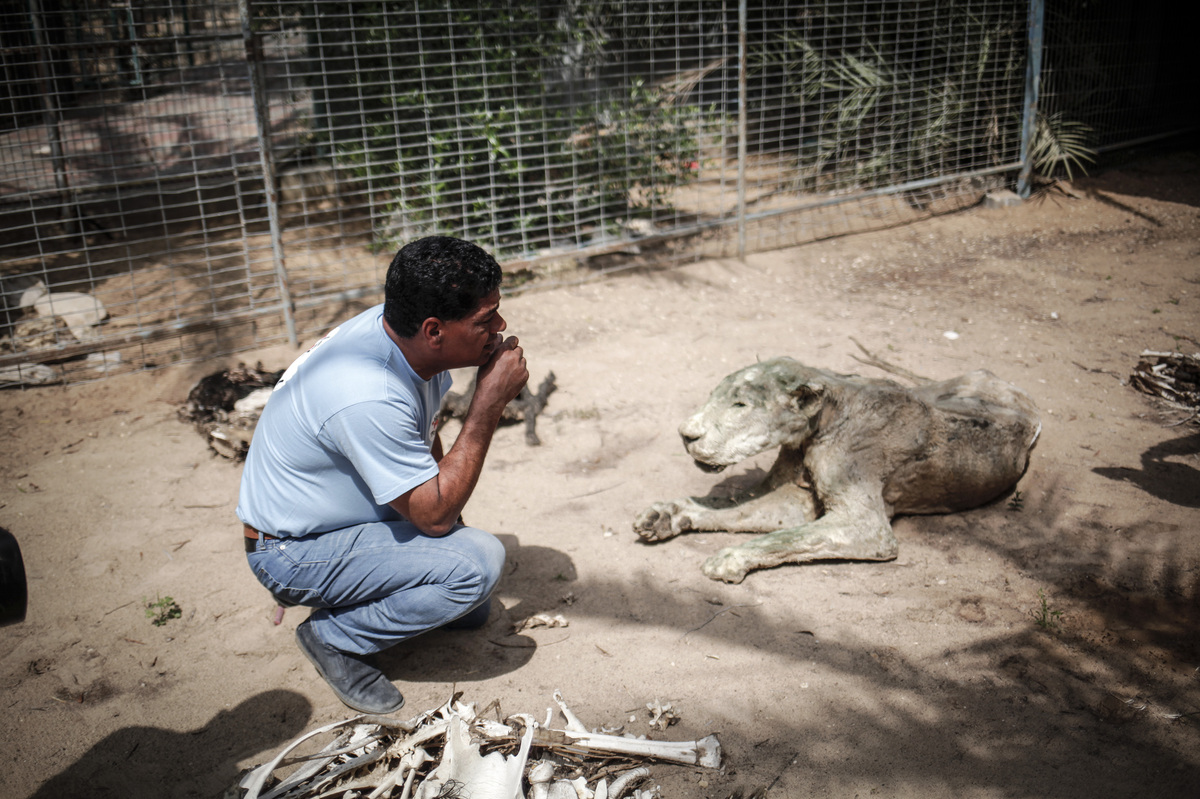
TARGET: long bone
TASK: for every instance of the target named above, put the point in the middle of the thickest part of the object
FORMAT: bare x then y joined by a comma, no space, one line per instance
703,752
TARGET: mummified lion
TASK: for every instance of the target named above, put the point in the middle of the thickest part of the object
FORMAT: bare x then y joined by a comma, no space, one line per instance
853,452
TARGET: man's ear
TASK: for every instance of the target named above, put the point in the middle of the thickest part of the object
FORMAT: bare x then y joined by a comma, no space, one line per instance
433,332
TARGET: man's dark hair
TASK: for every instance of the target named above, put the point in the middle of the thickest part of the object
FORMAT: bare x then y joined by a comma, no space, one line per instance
438,277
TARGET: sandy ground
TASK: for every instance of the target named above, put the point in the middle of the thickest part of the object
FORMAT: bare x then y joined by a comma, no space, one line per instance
928,676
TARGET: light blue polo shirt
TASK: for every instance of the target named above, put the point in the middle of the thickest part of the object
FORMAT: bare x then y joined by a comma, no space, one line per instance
348,428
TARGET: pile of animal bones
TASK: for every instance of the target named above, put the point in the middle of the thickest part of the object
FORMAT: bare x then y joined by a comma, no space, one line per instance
456,752
1171,376
34,318
225,406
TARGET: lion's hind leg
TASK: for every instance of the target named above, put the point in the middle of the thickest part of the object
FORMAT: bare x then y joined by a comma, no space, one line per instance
832,537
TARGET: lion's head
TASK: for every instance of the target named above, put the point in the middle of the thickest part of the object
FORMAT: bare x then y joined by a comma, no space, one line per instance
753,410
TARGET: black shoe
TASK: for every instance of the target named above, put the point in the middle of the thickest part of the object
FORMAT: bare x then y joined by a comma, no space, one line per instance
361,686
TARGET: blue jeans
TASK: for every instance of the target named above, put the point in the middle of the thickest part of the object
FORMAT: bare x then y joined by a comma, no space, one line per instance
375,585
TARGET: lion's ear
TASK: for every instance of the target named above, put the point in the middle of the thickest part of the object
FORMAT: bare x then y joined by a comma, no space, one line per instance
803,390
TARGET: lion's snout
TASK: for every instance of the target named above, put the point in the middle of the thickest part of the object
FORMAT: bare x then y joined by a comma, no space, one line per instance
690,432
690,435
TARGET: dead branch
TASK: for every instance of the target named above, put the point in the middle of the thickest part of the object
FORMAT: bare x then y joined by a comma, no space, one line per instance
879,363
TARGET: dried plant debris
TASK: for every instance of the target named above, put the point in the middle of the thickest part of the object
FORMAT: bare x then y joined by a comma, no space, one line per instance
1172,377
455,751
225,406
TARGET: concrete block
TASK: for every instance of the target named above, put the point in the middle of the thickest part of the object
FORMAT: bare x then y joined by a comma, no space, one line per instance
1001,198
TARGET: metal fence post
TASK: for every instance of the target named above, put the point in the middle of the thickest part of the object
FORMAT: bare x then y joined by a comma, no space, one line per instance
262,119
741,168
52,118
1033,72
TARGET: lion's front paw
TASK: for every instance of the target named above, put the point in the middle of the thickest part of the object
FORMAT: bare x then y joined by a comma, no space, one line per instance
661,521
728,565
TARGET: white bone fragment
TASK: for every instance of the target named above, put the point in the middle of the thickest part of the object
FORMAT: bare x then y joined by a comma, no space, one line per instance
661,715
27,374
79,311
573,722
389,781
602,789
412,774
103,361
409,764
622,782
562,789
539,778
498,729
35,292
581,789
255,401
491,776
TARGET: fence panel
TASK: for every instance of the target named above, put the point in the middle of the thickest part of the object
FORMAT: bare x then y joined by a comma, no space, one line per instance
1125,72
220,175
130,174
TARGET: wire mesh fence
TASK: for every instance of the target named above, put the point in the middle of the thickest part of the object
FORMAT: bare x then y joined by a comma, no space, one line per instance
209,177
1125,73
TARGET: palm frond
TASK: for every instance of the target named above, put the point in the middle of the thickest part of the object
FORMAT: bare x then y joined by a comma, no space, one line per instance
1060,141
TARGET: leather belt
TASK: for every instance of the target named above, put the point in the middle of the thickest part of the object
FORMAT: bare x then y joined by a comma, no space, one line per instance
252,537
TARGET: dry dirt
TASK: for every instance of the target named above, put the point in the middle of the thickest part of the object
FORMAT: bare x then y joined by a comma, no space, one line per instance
924,677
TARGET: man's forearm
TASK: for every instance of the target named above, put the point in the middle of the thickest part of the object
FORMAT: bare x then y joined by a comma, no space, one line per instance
435,506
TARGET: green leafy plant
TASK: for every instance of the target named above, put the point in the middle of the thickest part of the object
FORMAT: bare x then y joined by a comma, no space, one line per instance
492,125
1044,616
162,611
1016,502
875,108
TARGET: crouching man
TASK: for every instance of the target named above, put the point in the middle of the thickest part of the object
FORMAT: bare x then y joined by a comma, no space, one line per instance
348,502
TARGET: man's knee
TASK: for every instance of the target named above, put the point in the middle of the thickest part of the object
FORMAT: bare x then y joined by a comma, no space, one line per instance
481,560
490,558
